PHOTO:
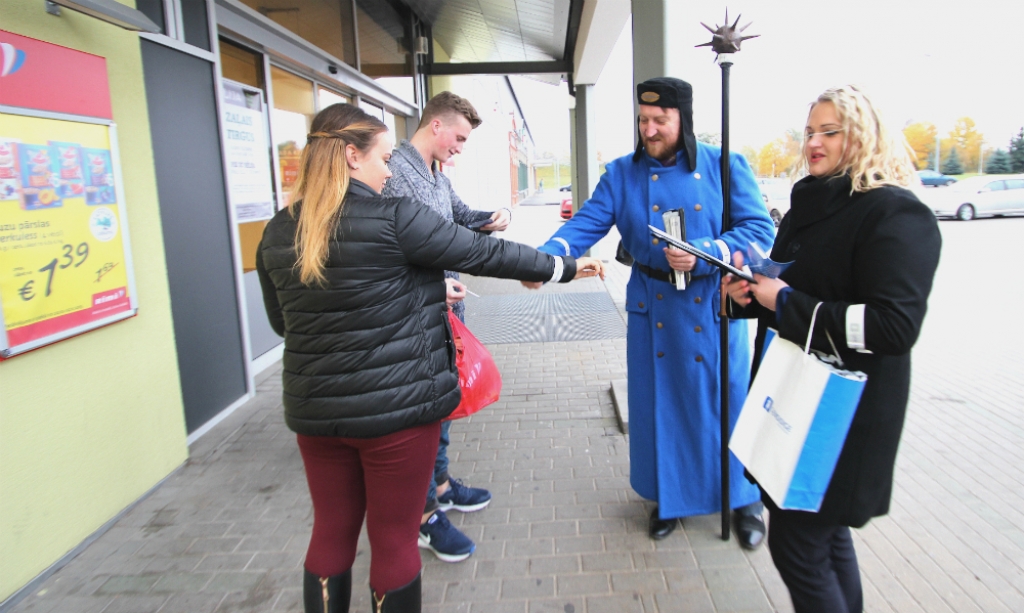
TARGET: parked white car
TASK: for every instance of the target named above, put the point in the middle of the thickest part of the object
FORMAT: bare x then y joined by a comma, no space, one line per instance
983,196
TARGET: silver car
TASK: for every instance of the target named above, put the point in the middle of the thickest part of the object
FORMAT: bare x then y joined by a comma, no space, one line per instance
983,196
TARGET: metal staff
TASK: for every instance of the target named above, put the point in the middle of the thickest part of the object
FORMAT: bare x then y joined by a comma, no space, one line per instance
725,42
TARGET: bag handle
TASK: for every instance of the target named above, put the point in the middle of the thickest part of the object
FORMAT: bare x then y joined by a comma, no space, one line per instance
810,332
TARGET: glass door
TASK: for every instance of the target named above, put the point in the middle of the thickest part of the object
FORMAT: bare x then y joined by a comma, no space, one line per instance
244,77
294,107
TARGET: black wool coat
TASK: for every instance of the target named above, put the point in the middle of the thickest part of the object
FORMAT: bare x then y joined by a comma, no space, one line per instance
371,352
878,248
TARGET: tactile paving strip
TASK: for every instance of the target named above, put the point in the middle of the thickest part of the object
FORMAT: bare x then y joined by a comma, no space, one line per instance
544,318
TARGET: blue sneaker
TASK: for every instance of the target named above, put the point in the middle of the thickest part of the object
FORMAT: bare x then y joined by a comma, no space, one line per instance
463,498
444,539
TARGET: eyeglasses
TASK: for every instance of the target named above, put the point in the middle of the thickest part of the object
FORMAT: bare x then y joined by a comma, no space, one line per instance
826,134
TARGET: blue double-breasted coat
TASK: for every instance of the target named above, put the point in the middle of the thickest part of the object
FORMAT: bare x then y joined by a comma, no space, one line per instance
673,335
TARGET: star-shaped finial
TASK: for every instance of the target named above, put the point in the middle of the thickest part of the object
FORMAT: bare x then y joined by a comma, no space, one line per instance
726,39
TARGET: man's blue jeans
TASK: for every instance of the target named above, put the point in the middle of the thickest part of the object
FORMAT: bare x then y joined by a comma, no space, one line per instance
440,474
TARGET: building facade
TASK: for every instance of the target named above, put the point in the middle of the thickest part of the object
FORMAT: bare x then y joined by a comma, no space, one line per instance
208,107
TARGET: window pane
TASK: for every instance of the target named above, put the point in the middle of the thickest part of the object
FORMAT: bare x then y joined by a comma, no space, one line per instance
197,26
372,109
400,87
289,120
292,92
1015,184
996,186
400,128
154,9
324,23
241,65
381,50
326,98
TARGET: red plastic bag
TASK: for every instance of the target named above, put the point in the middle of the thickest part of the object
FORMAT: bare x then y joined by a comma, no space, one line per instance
479,378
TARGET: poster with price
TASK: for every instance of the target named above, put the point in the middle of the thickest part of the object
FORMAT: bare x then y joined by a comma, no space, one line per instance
64,266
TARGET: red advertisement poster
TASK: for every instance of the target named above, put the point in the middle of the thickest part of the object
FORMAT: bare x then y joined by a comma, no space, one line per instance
48,77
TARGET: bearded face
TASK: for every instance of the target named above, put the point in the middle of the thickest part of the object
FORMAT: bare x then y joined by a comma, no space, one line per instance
659,131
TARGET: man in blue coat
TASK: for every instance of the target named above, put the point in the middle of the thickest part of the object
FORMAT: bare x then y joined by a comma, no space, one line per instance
673,335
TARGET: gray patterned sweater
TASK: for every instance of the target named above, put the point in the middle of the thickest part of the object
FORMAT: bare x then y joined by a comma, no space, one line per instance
411,177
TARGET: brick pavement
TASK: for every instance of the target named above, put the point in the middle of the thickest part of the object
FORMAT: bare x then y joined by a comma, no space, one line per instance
565,533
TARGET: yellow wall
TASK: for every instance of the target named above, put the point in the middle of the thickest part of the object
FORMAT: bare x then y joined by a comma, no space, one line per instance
91,423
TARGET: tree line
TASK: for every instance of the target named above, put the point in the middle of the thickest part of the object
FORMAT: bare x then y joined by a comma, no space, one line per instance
963,149
959,152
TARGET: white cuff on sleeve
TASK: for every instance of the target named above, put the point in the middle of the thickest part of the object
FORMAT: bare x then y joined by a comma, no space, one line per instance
724,249
559,270
565,243
855,327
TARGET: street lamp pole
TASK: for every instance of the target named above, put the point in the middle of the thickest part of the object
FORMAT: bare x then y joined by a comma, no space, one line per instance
725,42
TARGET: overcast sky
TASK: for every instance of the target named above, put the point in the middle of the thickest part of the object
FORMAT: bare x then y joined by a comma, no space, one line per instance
921,61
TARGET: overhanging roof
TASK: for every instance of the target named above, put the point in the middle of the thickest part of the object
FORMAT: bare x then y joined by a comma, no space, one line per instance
559,37
502,36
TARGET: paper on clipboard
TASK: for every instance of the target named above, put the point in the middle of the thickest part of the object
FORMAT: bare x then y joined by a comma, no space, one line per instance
688,248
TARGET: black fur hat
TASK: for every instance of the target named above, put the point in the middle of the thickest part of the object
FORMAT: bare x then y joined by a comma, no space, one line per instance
669,92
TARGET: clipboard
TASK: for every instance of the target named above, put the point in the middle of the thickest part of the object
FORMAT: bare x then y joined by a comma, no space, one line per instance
688,248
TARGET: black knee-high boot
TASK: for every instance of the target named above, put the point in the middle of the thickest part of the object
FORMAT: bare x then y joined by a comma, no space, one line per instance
327,594
405,599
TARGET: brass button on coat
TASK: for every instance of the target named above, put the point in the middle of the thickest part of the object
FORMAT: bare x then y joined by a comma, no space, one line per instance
660,325
654,177
697,329
697,299
658,296
656,208
640,304
654,241
661,354
697,207
699,359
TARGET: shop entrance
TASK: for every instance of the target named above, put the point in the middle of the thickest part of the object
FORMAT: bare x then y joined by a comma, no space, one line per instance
293,100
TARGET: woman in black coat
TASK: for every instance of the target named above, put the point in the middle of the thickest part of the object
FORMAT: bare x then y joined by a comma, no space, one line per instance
865,247
355,284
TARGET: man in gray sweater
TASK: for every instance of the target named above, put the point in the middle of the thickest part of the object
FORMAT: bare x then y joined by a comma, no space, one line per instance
447,123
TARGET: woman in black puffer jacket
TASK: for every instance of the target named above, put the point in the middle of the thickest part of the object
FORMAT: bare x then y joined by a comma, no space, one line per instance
355,284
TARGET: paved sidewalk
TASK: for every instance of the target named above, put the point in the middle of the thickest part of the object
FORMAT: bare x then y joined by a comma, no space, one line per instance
228,531
565,533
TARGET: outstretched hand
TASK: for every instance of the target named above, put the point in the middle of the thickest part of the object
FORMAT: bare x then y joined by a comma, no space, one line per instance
499,221
589,267
585,267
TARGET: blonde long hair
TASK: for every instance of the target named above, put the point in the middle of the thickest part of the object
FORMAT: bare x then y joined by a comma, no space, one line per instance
872,157
323,181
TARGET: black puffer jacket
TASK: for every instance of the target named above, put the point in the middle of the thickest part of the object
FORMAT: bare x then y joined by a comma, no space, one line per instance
371,353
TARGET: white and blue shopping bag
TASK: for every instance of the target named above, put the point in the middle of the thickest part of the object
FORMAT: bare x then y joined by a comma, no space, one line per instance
795,420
